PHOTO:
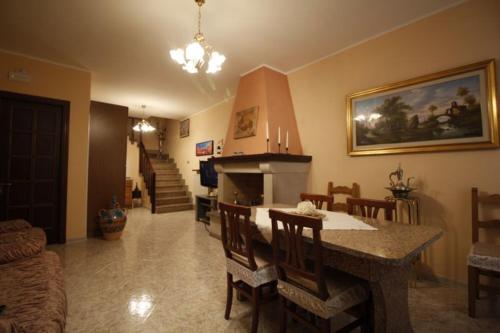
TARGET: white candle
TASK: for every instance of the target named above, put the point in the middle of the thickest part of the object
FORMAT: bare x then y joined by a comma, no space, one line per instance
267,130
279,135
286,140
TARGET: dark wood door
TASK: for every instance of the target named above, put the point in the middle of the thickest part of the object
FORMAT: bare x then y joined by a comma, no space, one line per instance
33,161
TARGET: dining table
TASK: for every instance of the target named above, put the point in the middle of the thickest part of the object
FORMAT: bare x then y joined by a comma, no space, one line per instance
382,255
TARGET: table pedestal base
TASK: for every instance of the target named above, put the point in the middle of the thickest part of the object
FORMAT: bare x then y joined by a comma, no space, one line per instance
390,299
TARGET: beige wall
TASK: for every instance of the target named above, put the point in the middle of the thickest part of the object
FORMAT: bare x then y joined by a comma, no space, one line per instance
207,125
459,36
54,81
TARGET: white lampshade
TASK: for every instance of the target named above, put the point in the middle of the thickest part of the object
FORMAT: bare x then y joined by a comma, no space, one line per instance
215,62
178,56
195,52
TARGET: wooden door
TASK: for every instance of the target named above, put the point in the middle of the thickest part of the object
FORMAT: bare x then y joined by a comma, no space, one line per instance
33,161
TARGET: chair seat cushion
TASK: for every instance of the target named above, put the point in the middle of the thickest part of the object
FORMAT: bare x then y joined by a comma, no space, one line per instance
485,256
21,244
265,272
13,225
345,292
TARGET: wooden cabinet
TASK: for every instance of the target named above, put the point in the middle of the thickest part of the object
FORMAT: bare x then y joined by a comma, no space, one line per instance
129,184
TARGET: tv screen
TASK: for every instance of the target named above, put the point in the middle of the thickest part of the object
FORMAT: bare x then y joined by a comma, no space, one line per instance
208,176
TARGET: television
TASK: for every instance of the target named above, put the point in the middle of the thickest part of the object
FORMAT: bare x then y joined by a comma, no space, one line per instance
208,175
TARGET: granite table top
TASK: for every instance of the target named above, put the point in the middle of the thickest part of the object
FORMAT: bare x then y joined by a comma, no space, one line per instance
392,243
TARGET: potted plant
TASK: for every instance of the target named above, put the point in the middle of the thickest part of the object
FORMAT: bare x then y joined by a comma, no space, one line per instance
112,221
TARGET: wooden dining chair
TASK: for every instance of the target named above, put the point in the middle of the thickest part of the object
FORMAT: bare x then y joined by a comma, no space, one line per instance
303,284
352,192
371,207
484,258
254,268
318,200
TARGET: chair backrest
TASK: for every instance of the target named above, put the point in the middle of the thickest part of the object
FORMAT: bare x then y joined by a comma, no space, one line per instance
318,200
236,234
291,263
370,207
487,199
353,192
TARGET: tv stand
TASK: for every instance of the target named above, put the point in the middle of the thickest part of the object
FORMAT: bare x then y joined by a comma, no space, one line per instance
204,205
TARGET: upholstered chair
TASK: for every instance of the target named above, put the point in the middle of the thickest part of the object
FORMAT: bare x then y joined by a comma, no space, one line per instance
303,283
484,257
248,269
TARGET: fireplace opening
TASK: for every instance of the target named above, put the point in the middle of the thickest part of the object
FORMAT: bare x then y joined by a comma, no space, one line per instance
244,188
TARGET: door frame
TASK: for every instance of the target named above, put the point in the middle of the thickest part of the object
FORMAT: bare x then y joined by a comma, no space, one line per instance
63,171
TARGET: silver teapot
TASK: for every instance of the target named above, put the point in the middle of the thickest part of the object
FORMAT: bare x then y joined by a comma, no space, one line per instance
398,187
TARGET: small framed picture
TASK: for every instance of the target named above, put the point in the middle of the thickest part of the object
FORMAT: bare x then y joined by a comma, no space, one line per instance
205,148
184,128
246,123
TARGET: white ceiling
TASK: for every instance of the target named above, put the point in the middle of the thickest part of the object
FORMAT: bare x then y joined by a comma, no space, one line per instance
125,43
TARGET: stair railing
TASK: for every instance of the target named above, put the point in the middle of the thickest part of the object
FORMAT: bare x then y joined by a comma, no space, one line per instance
149,174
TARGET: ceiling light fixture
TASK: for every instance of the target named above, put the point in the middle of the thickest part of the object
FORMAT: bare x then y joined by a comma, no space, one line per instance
143,126
193,58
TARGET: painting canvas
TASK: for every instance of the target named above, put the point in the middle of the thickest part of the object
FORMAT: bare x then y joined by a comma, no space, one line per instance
205,148
184,128
246,123
445,111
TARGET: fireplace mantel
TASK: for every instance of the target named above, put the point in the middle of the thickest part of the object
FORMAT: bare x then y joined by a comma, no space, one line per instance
266,157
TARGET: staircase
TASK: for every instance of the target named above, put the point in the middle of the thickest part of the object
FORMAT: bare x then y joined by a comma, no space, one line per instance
172,194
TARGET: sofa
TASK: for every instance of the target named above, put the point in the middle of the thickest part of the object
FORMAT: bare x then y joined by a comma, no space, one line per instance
31,281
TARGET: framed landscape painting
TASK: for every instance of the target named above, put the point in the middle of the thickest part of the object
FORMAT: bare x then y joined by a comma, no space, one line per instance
205,148
184,128
450,110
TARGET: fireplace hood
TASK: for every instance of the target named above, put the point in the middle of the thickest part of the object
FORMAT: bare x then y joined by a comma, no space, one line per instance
267,90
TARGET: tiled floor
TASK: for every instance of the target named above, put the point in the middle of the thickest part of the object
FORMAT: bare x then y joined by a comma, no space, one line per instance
167,274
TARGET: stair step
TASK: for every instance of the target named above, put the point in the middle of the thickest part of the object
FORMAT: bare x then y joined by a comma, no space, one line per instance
170,187
167,171
170,194
173,182
173,208
173,200
165,166
168,177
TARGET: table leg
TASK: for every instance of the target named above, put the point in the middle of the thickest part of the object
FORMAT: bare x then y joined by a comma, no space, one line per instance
390,299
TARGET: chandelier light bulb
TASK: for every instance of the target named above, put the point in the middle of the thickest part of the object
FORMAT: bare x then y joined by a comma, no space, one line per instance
195,52
178,56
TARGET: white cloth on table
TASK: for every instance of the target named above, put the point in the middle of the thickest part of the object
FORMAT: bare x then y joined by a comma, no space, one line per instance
332,221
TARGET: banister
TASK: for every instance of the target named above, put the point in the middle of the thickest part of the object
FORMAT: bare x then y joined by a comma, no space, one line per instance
147,171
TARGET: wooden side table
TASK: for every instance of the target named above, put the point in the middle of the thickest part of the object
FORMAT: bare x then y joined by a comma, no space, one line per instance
411,205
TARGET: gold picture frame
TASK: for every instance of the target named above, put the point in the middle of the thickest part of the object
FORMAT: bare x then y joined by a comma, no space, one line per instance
184,128
423,115
246,123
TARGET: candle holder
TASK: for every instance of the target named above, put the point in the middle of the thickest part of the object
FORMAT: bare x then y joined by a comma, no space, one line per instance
279,148
286,149
267,141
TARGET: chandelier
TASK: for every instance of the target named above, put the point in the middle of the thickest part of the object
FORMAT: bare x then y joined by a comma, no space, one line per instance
143,126
193,58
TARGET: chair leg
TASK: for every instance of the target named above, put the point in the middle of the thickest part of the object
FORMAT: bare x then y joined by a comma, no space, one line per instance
365,317
283,316
229,300
255,308
473,290
325,325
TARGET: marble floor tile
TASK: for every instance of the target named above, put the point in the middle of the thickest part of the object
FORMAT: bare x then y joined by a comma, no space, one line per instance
167,274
